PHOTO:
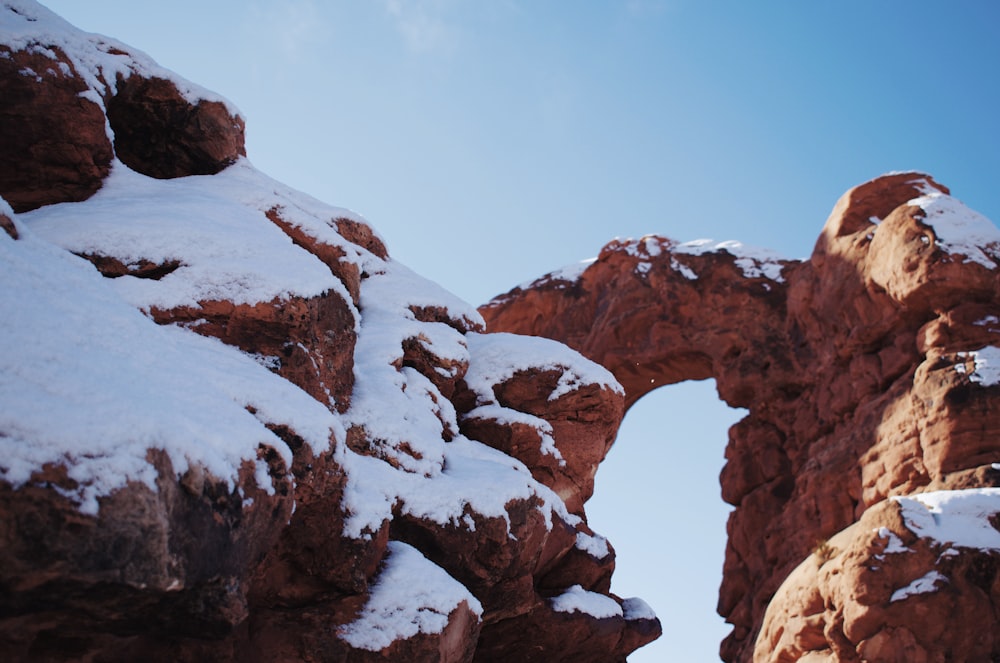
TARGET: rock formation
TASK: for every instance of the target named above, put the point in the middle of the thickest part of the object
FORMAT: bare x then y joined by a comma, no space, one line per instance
870,374
233,428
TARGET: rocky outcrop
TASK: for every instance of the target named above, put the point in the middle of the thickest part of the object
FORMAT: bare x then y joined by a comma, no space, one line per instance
867,371
915,579
53,142
235,429
161,134
67,96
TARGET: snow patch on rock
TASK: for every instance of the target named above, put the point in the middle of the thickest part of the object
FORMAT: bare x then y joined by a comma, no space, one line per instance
986,366
594,545
497,357
411,595
636,608
754,262
98,60
931,582
958,518
958,229
88,382
577,599
895,544
213,226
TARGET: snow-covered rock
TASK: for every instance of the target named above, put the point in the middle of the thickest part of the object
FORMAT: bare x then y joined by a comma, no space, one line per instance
232,425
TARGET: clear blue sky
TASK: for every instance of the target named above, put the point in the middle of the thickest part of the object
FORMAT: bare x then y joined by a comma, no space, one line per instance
492,141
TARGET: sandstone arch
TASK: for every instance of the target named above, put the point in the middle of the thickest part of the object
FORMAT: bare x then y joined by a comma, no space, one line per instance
845,361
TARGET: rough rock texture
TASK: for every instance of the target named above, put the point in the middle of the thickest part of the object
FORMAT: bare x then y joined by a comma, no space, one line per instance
358,474
53,143
161,134
883,590
862,371
363,474
56,109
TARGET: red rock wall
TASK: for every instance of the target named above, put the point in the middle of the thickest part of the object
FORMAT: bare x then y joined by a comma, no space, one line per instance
847,366
192,567
855,367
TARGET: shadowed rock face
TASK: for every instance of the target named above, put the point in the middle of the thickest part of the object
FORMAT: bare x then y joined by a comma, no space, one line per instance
161,134
57,126
53,142
855,367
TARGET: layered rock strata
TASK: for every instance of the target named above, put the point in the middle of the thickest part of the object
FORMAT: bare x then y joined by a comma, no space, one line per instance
233,428
869,373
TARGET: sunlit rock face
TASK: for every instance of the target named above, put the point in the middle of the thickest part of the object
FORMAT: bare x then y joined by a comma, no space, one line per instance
870,372
233,428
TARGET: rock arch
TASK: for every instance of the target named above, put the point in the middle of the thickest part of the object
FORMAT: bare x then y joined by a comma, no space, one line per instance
845,361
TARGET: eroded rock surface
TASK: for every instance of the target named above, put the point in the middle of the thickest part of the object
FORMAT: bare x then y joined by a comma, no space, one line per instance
867,370
71,102
233,428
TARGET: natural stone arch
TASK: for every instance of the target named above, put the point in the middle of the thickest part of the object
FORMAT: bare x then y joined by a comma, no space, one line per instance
638,311
656,498
844,362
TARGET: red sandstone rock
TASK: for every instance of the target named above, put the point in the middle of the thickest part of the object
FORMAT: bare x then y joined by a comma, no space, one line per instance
55,109
8,226
854,366
161,134
53,143
202,570
545,634
308,336
174,561
860,368
879,591
583,424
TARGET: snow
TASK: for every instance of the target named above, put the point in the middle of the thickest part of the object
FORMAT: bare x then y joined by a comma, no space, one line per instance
214,225
566,275
922,585
98,60
405,417
569,273
958,518
754,262
410,596
958,229
594,545
986,366
216,228
400,410
647,246
636,608
506,416
684,270
988,322
498,357
474,476
577,599
88,381
895,544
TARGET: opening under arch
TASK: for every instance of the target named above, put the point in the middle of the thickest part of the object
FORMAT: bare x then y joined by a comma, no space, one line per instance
658,501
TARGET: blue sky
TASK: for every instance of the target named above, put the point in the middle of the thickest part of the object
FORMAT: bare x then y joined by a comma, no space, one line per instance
491,142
